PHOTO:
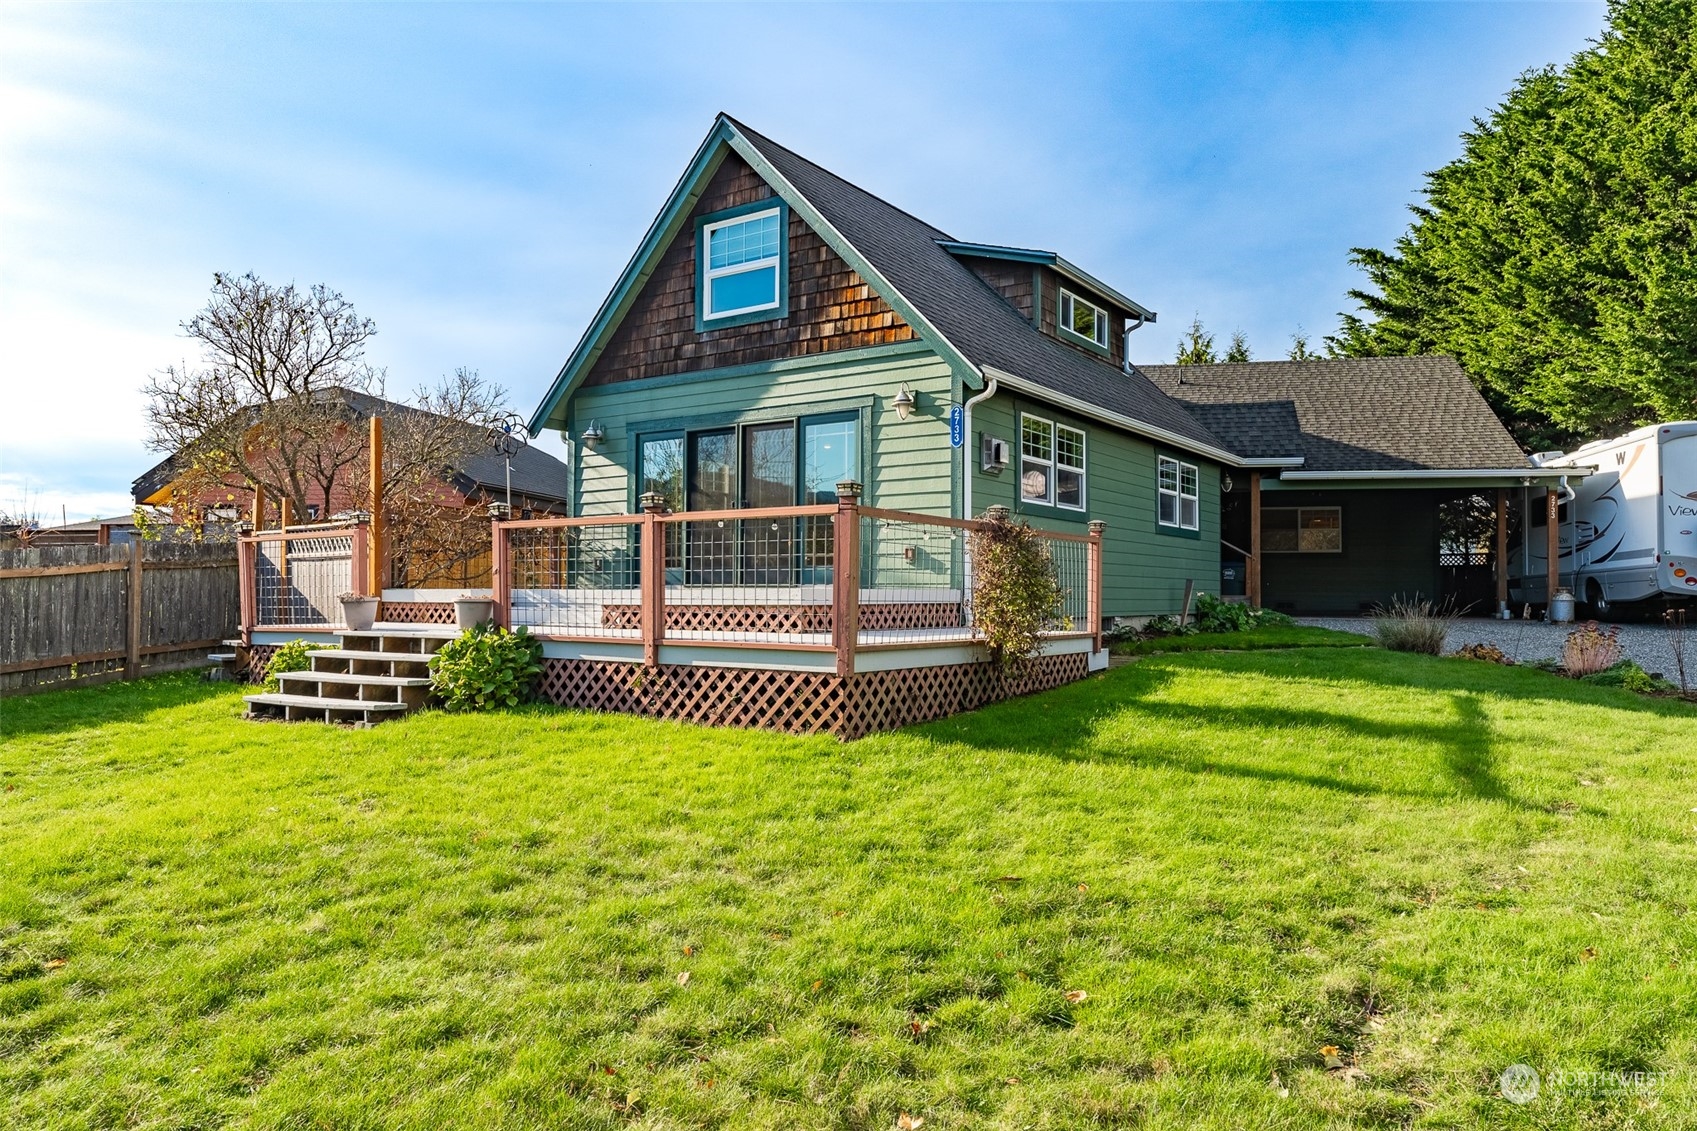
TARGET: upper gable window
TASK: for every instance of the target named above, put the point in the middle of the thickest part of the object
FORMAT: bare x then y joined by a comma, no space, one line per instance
742,265
1084,319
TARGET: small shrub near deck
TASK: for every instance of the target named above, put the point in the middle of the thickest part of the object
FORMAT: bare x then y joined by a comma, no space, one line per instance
1015,593
291,657
1414,625
1590,649
486,667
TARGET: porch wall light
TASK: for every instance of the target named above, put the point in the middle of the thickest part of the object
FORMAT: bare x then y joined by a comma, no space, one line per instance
594,434
904,402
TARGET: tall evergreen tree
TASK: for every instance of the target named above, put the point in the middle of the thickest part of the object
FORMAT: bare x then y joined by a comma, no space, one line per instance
1197,345
1556,258
1238,351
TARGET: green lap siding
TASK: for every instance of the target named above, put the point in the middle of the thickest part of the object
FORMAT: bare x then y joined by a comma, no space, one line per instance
905,463
1145,568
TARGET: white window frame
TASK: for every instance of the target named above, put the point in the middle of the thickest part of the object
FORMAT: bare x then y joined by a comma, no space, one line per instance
1178,494
709,272
1298,511
1048,498
1063,318
1059,466
1054,463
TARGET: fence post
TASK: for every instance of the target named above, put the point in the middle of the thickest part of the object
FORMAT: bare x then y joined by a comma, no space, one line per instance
845,575
248,587
132,634
359,582
500,571
1097,528
285,606
653,577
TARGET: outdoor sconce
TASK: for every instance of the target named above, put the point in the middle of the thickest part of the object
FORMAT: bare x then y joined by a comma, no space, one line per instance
500,512
594,434
904,402
1225,483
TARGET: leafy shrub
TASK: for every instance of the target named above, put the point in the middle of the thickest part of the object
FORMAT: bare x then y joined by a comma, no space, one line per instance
1489,653
291,657
1590,649
1627,674
1414,625
1216,614
1165,625
486,667
1015,593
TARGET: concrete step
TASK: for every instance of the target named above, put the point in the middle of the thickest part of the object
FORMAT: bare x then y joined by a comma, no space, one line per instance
294,708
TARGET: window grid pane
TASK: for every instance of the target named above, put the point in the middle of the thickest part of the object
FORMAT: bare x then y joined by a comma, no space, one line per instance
1069,447
1034,438
1169,475
747,242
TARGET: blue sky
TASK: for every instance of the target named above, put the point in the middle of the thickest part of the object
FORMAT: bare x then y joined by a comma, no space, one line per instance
474,177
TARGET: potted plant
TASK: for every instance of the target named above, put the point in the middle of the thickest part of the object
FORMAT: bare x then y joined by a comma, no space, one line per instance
470,611
359,612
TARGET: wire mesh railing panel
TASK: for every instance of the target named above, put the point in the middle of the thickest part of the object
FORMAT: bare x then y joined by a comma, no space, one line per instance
1071,561
299,579
913,582
577,580
757,580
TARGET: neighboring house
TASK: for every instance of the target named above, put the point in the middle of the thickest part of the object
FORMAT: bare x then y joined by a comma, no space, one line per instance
539,480
780,330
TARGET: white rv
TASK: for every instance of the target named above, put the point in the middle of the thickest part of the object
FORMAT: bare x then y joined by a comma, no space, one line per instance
1628,531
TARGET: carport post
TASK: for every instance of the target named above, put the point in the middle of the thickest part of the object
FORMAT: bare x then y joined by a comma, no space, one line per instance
1552,540
1502,552
1253,566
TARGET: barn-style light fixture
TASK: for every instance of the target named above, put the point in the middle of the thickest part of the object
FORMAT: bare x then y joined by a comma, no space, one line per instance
904,402
594,434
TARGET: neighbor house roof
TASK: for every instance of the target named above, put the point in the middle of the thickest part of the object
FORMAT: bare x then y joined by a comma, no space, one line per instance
536,473
911,264
1347,414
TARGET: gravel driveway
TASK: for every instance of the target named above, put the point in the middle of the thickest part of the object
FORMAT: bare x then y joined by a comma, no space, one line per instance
1649,644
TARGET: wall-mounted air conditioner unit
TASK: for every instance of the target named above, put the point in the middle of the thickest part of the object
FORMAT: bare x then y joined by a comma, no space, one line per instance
995,453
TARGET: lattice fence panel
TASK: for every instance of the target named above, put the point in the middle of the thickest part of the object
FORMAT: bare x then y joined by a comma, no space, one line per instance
792,702
909,614
259,657
890,699
727,618
416,612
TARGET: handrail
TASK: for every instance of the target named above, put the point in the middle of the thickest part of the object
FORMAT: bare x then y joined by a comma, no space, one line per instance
815,511
299,532
958,523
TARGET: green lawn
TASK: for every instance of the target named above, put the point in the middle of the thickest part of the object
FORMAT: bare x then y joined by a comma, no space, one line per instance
1237,859
1255,639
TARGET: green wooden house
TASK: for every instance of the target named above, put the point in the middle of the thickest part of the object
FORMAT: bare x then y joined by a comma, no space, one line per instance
780,330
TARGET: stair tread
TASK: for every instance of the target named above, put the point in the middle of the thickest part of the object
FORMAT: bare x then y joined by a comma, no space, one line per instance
357,654
219,657
346,677
419,632
281,699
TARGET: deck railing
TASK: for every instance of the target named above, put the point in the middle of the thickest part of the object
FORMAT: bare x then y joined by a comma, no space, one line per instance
294,577
835,578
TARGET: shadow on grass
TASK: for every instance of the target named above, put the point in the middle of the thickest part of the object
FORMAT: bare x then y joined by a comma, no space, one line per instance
1068,723
78,708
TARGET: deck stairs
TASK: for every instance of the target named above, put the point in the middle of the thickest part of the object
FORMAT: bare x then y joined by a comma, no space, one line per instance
380,673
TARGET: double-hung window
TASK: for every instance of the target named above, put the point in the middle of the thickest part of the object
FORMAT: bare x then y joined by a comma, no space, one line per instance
1084,319
1179,495
742,265
1051,463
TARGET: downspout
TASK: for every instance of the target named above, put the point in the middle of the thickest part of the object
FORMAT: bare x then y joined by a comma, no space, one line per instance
966,445
1126,340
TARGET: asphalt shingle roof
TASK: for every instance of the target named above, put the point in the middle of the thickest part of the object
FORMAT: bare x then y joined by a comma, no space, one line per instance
1349,414
977,320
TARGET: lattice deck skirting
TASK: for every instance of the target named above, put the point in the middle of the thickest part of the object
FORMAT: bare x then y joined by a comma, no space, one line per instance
416,612
259,656
797,702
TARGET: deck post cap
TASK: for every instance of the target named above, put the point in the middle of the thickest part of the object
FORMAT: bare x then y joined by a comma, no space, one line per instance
1097,526
653,502
848,489
997,513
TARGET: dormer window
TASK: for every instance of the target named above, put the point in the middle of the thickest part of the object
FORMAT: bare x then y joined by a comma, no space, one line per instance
740,270
1083,319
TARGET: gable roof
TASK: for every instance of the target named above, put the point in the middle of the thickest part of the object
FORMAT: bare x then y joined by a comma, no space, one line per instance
1348,414
905,260
536,473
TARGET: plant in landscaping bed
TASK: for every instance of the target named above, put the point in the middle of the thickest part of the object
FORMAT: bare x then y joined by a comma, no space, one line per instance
1628,675
1590,649
1167,624
486,667
1015,593
1677,643
1490,653
1216,614
1414,625
291,657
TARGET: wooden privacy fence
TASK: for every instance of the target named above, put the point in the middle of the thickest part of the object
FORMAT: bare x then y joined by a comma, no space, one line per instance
90,614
